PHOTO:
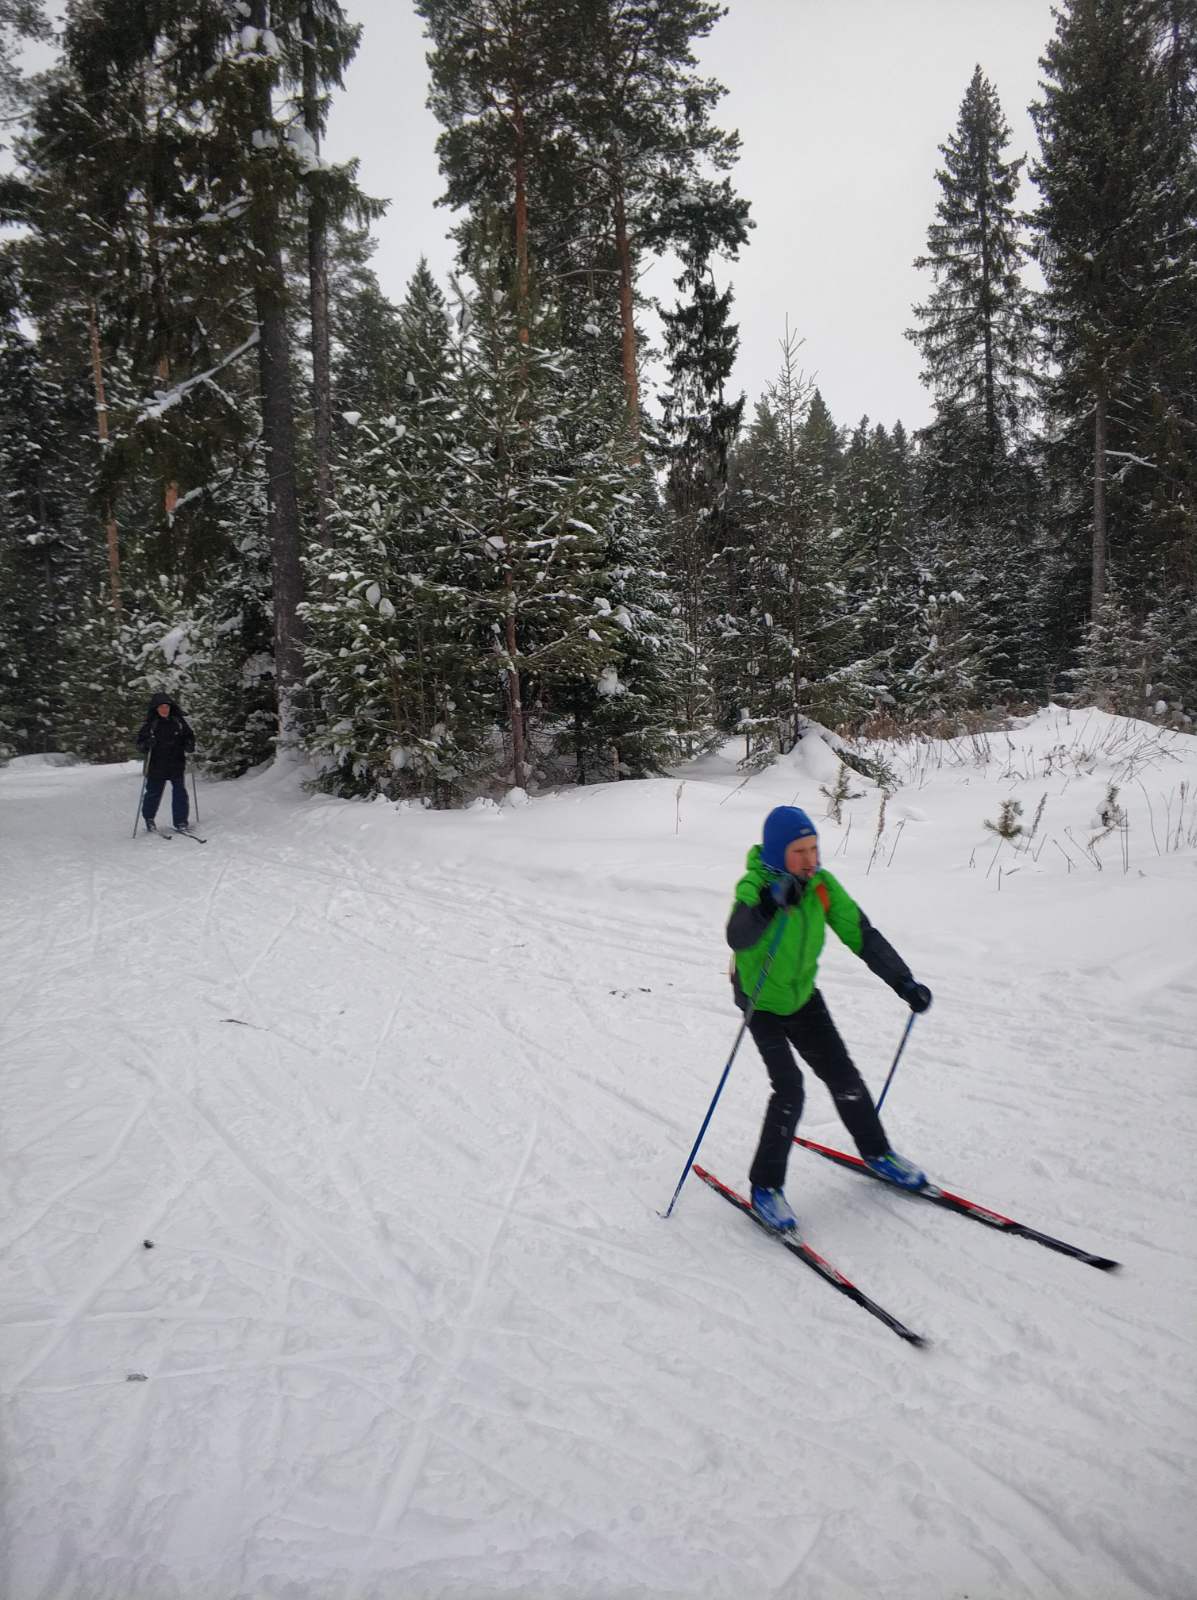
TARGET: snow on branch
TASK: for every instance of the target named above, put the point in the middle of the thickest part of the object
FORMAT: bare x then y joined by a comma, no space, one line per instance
171,397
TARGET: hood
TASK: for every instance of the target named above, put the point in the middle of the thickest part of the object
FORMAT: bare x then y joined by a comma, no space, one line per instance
152,709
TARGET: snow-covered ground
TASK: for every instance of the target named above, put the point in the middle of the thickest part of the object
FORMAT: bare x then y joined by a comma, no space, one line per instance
397,1097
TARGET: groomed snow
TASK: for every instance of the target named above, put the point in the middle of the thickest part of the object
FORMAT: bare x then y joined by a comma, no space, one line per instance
397,1096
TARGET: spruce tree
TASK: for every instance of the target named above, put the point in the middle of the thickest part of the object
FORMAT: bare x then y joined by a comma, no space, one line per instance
169,172
876,569
797,662
366,352
976,328
51,552
701,425
975,333
535,506
1116,237
400,703
623,720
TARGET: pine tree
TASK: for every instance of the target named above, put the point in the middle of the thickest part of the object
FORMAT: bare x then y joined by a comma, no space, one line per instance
498,77
589,132
648,145
19,20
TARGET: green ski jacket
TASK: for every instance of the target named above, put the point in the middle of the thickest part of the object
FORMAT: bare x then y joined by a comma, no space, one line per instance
791,979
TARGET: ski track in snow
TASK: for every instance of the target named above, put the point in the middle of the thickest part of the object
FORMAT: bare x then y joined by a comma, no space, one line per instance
396,1098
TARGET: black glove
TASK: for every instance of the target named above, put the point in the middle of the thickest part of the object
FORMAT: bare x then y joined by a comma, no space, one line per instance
786,890
916,995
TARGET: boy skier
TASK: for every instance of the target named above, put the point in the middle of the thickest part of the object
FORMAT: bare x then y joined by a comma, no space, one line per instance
167,739
785,1009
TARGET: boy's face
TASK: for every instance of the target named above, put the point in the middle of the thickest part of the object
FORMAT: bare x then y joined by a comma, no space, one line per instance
802,856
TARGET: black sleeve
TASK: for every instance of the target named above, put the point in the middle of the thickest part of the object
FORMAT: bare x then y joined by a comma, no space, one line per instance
188,735
746,924
880,957
144,736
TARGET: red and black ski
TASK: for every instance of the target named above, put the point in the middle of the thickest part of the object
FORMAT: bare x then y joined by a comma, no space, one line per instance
964,1208
812,1259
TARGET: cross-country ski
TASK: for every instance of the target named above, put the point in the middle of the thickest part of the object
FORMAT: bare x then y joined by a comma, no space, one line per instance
811,1258
966,1208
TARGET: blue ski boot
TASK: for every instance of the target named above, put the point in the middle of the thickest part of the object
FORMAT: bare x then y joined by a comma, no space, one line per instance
772,1207
896,1169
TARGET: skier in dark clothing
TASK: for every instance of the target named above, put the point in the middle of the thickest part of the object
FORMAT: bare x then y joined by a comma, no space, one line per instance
167,739
784,879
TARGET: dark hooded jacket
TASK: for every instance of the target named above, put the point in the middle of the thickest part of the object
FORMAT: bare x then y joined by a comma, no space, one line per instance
167,740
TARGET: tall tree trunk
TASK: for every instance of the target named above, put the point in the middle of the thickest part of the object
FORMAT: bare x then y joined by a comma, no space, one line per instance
318,290
515,704
170,490
627,317
282,499
110,528
522,283
1098,592
991,424
793,520
278,422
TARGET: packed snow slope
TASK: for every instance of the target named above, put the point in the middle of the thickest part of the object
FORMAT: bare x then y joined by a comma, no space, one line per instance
396,1098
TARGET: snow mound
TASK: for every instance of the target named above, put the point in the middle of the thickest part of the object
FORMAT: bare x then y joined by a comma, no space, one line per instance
48,758
814,759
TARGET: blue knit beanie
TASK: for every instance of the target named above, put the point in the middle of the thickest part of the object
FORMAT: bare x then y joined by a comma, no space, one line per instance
783,825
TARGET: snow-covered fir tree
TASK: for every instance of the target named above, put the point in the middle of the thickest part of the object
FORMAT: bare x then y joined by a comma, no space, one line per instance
533,509
791,611
975,333
1116,237
398,706
701,424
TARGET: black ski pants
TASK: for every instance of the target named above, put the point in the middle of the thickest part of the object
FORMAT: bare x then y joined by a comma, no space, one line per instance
155,783
814,1036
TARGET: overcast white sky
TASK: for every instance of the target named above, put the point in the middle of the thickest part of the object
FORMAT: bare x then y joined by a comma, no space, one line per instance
841,105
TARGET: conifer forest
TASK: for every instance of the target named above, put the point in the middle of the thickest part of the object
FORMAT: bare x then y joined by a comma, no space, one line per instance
489,537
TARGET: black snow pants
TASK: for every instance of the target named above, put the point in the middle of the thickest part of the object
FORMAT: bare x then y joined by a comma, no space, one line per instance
155,783
814,1036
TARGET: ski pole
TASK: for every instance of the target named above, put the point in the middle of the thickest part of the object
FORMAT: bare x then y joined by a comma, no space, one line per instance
194,796
772,951
145,767
897,1058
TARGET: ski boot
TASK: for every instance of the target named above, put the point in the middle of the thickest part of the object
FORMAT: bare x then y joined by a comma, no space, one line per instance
896,1169
772,1207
